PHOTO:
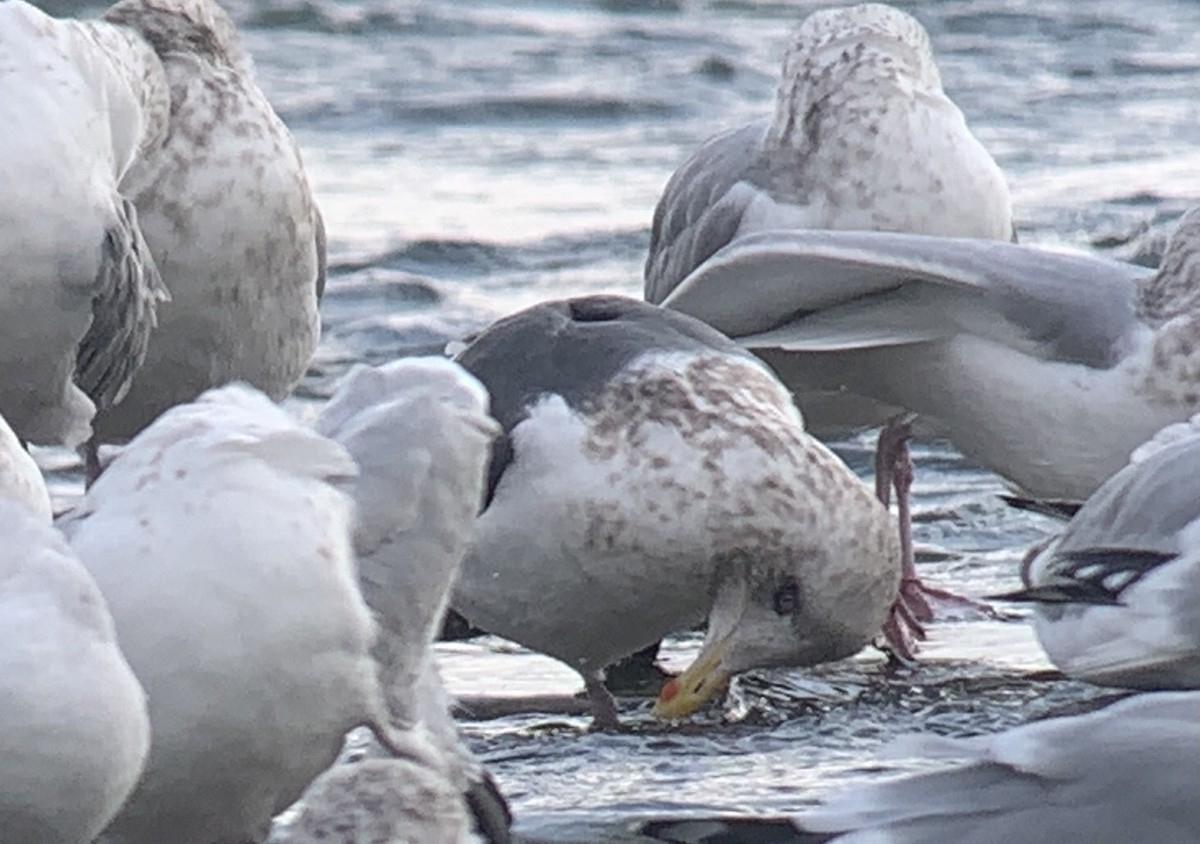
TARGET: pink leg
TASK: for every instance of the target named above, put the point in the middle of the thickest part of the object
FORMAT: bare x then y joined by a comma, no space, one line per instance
894,469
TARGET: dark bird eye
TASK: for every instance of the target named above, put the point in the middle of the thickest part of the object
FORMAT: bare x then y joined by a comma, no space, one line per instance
787,597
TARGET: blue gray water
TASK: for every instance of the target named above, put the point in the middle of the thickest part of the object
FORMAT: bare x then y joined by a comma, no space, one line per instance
474,158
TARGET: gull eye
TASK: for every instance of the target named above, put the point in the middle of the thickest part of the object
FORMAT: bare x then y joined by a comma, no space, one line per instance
787,597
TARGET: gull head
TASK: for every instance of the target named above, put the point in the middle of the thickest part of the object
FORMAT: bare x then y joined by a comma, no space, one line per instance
813,604
184,27
857,54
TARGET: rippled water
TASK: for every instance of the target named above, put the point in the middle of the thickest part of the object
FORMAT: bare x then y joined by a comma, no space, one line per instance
474,158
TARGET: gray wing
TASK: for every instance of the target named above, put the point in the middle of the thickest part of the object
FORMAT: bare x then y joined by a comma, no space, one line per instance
1110,776
1145,506
404,574
572,348
1132,525
829,290
126,294
699,213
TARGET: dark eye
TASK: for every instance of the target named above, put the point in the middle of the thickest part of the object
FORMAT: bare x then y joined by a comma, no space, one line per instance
787,597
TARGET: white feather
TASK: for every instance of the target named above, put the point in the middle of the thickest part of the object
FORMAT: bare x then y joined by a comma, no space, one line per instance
79,103
73,720
420,433
225,554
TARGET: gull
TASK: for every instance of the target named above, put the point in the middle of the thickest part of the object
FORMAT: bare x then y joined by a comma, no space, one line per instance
73,720
226,209
421,435
651,472
1048,368
80,104
1114,594
1124,773
863,138
224,552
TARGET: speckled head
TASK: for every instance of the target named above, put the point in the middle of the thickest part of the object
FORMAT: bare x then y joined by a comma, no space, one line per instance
820,597
870,44
197,27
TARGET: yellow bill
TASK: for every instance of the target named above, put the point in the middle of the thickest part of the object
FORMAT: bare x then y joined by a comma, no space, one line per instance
700,683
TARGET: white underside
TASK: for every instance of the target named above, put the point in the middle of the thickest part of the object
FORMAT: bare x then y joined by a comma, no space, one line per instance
566,560
73,721
1056,430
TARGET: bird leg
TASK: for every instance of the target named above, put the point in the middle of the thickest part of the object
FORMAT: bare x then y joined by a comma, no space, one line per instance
91,461
894,470
604,705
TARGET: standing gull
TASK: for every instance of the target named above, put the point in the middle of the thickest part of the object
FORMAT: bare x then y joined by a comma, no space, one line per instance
421,435
650,471
73,721
863,137
1047,368
225,555
1125,773
1115,596
227,212
80,103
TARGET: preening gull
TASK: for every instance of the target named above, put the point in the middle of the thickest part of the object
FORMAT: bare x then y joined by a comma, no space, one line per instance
421,435
225,555
73,720
226,209
1125,773
1048,368
651,471
79,104
863,137
1117,596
